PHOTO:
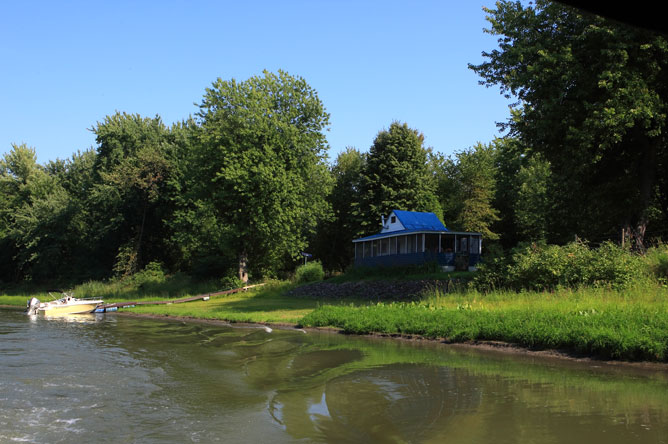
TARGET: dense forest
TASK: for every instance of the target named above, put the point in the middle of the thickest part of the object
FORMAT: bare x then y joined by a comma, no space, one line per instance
246,184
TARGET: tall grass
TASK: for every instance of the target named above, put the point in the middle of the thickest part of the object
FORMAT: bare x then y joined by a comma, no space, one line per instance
613,324
174,286
656,260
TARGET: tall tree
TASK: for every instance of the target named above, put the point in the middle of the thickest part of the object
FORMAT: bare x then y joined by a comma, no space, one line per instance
532,201
264,151
334,236
467,185
396,176
39,240
592,98
131,173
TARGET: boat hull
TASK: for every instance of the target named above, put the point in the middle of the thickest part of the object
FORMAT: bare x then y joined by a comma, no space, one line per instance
69,309
63,306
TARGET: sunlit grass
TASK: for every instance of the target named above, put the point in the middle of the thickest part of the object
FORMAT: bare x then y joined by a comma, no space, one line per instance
625,324
622,324
258,305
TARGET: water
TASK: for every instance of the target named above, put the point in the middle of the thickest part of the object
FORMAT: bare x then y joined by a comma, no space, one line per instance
123,380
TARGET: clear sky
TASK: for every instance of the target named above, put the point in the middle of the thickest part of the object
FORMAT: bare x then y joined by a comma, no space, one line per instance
66,65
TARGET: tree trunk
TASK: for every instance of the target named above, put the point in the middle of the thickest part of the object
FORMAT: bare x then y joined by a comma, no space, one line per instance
637,223
243,267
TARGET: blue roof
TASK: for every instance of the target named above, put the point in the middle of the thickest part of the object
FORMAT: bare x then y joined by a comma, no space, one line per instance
412,220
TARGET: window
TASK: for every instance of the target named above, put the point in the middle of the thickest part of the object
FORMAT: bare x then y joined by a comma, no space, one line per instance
393,219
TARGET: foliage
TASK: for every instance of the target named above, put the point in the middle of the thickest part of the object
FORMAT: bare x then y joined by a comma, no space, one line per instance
262,161
395,176
309,272
131,171
152,274
230,283
592,99
467,185
35,211
333,242
532,202
657,262
547,267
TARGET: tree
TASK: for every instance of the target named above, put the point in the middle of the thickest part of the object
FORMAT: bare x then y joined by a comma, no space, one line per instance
131,170
592,98
334,237
532,202
524,193
395,176
38,240
467,185
263,154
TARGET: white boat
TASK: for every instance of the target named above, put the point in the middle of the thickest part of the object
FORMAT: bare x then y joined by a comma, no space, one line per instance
66,305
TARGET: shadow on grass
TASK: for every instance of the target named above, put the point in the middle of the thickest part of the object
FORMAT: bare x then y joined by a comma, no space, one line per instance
275,299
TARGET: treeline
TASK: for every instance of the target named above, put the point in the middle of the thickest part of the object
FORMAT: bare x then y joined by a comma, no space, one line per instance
245,185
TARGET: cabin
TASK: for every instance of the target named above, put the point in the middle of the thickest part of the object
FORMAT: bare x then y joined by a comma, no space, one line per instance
412,238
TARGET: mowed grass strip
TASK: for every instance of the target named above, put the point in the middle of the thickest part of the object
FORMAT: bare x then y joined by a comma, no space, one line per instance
260,305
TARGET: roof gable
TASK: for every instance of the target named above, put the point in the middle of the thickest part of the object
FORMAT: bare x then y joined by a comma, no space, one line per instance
413,220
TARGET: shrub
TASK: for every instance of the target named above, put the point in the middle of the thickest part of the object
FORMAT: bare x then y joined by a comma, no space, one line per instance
547,267
230,283
152,274
491,275
309,272
657,262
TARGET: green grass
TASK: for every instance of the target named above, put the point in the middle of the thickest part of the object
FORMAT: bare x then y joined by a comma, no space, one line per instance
261,305
620,324
630,324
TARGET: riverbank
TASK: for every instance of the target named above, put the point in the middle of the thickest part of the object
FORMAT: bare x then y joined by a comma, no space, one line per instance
598,323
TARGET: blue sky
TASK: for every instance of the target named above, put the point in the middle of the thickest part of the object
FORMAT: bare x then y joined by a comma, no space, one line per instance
66,65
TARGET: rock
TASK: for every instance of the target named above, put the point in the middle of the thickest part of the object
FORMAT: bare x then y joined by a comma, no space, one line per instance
369,290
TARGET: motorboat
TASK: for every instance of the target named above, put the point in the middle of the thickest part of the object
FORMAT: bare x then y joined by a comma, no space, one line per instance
66,305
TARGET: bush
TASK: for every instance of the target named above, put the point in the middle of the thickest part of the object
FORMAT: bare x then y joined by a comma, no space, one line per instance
230,283
547,267
657,262
309,272
152,274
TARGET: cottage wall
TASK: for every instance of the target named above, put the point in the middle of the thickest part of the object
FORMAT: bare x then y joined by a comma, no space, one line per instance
392,223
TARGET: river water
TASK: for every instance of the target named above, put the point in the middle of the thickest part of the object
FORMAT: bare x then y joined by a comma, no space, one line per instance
117,379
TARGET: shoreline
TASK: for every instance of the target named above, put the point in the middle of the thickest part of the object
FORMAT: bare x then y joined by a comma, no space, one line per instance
497,347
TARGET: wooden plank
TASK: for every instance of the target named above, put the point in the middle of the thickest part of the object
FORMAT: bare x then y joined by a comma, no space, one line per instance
177,301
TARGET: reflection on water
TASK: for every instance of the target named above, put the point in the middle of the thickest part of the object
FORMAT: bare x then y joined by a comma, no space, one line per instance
108,378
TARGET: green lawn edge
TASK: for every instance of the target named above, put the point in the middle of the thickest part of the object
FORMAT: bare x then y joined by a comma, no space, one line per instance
627,324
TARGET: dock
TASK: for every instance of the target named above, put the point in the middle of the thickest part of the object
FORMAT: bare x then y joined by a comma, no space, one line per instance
103,308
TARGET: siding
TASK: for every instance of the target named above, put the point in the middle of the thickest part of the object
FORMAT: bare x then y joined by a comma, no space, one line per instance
399,260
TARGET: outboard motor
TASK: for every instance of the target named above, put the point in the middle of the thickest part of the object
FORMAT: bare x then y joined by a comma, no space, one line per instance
33,305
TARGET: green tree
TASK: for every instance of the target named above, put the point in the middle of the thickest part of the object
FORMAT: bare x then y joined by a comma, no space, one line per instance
334,237
129,199
263,153
592,100
39,240
524,193
467,186
396,176
532,202
198,242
